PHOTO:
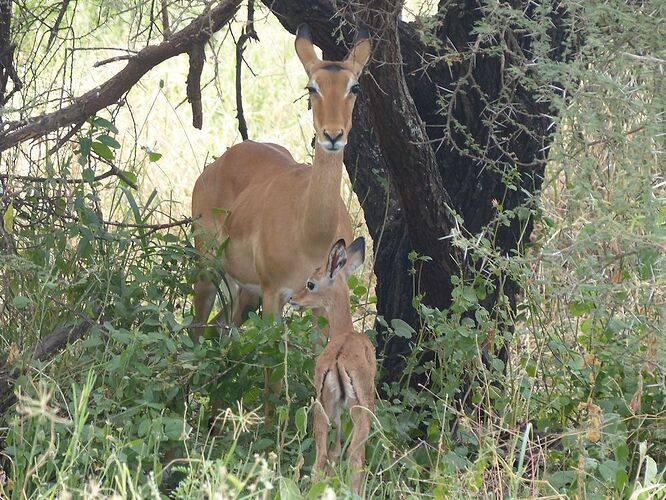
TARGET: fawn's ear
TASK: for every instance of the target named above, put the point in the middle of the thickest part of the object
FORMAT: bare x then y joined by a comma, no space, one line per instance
337,258
304,47
355,255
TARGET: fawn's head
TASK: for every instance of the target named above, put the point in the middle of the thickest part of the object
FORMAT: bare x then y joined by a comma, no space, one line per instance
333,87
327,285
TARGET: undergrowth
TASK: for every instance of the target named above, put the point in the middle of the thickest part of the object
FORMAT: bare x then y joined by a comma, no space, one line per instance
575,408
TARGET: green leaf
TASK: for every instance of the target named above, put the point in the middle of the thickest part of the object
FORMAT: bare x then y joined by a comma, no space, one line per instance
579,308
316,491
469,294
8,218
301,421
152,156
20,302
173,427
108,140
402,329
262,444
102,150
88,174
103,123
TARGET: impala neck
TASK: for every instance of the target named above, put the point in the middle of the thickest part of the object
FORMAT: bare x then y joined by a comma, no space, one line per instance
338,311
321,200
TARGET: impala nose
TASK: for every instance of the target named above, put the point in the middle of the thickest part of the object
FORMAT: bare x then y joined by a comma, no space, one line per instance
333,143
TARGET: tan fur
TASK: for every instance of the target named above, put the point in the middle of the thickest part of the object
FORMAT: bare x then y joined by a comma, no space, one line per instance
344,371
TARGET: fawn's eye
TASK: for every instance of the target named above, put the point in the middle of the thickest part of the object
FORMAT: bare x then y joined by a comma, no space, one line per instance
355,89
310,285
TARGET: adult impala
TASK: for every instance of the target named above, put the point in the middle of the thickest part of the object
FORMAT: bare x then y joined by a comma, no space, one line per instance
280,217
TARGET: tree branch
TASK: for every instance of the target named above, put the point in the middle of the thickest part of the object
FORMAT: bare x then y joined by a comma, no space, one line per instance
196,33
46,349
197,58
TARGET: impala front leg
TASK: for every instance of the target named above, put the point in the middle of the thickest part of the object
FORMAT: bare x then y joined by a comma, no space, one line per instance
204,298
272,308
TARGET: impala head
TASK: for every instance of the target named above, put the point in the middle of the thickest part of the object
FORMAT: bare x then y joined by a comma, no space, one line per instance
333,87
322,287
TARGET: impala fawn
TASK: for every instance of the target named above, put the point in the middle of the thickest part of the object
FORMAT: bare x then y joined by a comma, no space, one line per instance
345,370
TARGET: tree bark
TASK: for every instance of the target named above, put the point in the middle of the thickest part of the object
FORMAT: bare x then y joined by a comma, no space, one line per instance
403,134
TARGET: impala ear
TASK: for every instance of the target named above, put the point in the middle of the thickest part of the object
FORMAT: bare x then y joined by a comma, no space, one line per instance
304,47
360,52
355,255
337,258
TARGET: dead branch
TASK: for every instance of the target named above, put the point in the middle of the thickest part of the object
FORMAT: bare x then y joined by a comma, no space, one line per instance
198,32
47,348
166,28
197,58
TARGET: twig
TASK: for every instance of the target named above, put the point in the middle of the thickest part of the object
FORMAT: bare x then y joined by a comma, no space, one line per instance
112,59
56,25
166,28
152,227
112,171
248,33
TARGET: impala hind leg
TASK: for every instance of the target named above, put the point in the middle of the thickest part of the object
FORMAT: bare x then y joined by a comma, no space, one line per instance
325,414
362,419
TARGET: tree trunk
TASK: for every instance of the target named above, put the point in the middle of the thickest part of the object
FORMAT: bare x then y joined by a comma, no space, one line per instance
435,153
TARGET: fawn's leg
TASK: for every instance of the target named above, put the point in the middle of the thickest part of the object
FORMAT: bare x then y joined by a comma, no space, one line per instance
324,413
362,419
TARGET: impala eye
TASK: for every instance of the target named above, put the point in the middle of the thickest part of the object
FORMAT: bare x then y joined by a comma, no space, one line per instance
310,285
311,90
355,89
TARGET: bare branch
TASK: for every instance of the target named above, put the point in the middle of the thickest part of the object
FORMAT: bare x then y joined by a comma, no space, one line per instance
197,57
166,28
198,31
112,59
56,25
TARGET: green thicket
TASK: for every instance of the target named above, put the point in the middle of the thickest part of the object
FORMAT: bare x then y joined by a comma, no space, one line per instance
578,410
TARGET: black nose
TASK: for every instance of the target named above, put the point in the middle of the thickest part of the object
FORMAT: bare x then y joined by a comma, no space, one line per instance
333,139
